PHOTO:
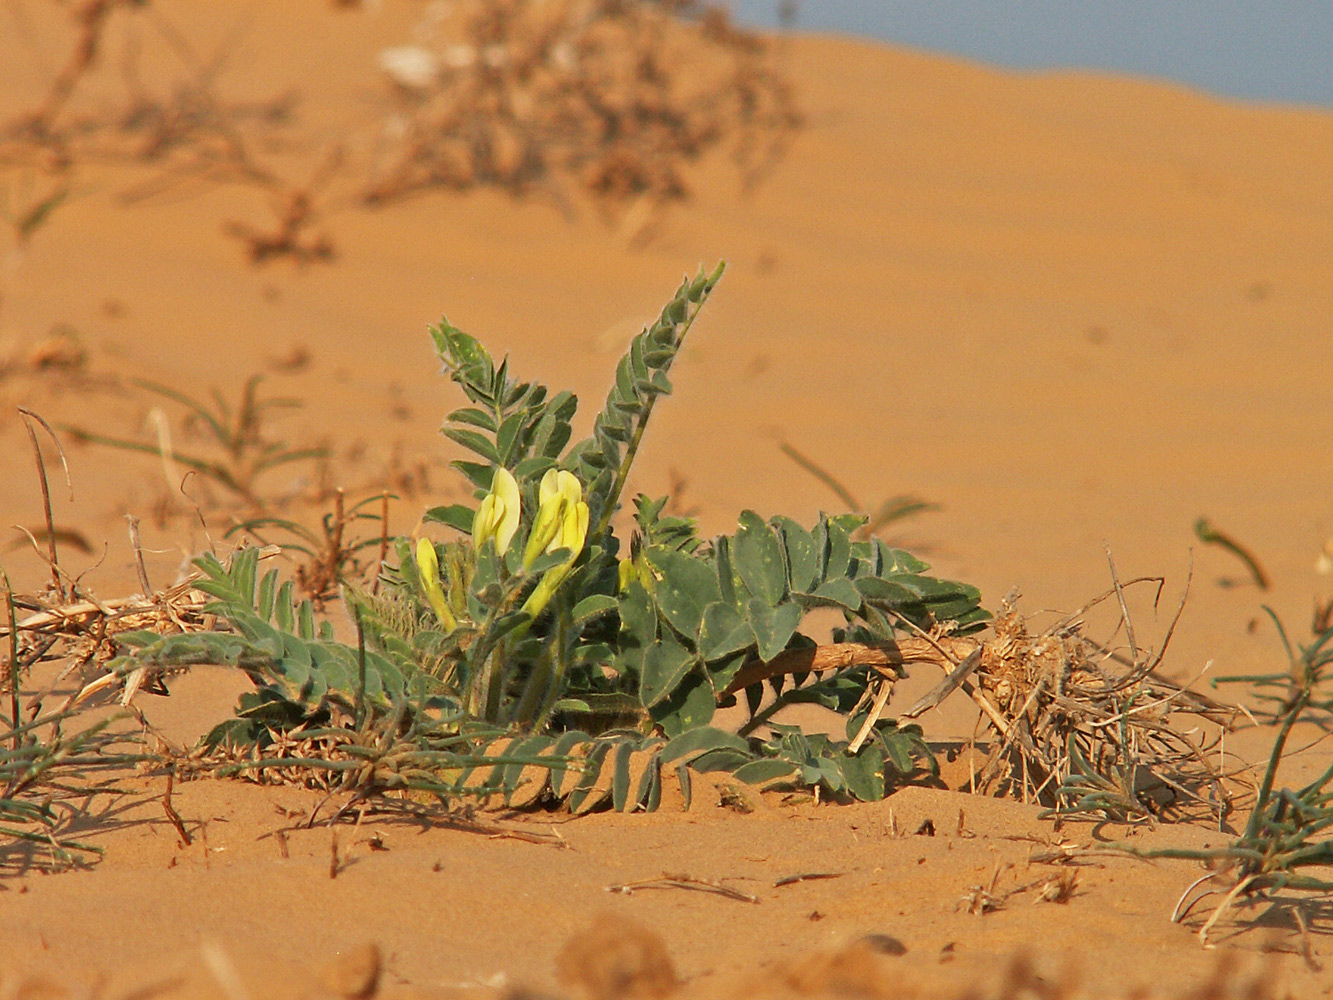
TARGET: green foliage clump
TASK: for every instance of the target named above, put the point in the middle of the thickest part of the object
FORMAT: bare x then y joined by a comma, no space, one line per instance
47,781
580,665
1284,844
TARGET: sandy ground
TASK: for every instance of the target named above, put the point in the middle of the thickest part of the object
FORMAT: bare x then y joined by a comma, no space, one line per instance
1074,310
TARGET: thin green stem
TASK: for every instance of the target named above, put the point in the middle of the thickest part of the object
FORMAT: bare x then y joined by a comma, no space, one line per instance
1274,759
360,707
1209,535
13,662
779,703
547,678
557,684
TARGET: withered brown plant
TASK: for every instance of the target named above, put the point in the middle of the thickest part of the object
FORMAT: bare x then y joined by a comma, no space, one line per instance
1084,727
614,95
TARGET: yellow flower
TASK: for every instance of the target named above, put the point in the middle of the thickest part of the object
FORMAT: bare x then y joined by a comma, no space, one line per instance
558,492
627,574
561,523
428,566
497,517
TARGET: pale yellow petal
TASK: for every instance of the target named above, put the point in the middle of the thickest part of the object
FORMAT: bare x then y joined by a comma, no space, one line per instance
505,487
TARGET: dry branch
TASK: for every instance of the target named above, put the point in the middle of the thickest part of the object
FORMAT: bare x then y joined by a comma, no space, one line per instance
882,657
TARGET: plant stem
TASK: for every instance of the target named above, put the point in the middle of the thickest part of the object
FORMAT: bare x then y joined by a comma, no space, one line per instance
13,661
56,583
1274,759
1209,535
359,709
547,678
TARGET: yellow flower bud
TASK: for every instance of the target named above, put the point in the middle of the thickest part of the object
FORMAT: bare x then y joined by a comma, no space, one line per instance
635,570
428,567
497,517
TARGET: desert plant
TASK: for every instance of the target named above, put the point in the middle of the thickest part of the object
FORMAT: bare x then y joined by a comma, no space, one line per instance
236,430
1284,844
534,621
43,769
46,782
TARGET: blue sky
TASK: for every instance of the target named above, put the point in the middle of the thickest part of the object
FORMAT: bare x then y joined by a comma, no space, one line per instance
1264,50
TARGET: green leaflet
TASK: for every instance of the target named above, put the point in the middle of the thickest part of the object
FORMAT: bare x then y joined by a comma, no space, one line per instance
684,589
802,558
762,772
758,555
665,664
457,516
725,632
772,627
689,706
838,593
690,744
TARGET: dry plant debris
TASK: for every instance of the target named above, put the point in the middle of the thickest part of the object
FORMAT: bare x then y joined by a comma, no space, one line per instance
1083,728
618,96
612,97
669,881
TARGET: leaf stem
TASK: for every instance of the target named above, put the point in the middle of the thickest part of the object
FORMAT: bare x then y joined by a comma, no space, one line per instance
13,661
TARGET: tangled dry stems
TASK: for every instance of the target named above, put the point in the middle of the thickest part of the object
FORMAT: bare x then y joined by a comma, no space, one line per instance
616,95
1066,721
1086,729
